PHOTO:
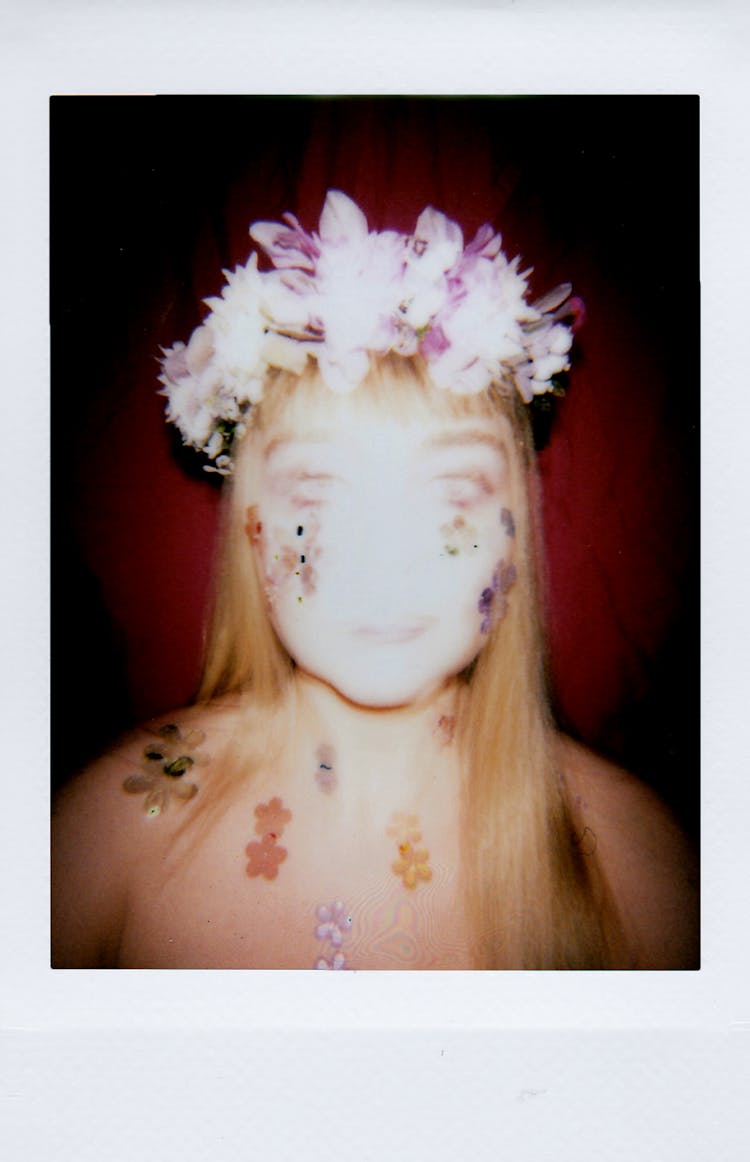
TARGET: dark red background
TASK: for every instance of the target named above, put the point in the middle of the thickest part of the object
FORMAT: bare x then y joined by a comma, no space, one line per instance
151,197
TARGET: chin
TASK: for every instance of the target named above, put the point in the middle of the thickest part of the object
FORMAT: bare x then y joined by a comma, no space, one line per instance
380,700
385,691
382,678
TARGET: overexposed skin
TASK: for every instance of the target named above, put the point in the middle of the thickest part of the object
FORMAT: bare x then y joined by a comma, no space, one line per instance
372,588
378,543
130,892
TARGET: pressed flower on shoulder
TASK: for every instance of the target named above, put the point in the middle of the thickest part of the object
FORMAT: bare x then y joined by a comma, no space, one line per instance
165,762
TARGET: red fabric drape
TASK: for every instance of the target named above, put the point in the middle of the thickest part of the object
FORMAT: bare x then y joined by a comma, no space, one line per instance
152,197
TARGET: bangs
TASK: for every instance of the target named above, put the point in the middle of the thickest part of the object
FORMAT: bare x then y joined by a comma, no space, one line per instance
396,386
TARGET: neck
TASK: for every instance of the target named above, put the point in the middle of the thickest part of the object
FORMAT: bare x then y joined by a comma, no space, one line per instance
378,750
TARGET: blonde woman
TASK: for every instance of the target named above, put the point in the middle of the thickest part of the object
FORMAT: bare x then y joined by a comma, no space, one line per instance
371,778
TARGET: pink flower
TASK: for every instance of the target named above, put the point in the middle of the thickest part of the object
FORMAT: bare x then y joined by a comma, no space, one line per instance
342,223
435,244
346,293
485,244
287,246
264,858
435,343
271,818
174,361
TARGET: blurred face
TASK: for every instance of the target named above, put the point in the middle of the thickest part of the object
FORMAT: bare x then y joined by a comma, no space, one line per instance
385,547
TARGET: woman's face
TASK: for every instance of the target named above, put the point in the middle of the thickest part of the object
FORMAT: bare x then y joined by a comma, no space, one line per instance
385,547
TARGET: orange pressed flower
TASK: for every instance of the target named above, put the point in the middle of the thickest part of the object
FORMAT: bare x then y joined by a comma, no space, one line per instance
271,818
253,526
412,864
264,858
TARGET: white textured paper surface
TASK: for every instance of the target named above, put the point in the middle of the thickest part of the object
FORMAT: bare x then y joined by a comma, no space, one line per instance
226,1065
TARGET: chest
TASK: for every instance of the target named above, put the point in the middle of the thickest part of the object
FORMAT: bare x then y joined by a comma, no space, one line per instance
361,898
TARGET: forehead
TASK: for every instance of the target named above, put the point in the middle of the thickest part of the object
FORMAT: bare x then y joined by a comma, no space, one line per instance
349,425
358,438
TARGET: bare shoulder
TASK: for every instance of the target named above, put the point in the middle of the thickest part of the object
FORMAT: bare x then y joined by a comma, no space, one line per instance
103,823
649,864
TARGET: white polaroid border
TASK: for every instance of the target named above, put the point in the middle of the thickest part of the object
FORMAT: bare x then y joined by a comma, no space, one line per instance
461,1064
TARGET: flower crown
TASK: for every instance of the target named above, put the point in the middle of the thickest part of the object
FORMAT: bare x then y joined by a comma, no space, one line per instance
344,293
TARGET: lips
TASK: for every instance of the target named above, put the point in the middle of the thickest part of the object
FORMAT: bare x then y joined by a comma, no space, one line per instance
393,634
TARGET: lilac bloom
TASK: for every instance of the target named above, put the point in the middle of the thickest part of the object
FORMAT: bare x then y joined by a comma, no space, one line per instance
485,244
334,923
337,962
492,602
287,246
436,243
434,343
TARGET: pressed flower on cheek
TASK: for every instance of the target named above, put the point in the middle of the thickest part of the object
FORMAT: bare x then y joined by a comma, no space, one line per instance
294,556
253,525
507,521
493,601
459,536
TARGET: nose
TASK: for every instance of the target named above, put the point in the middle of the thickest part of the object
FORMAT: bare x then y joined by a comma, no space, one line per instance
389,547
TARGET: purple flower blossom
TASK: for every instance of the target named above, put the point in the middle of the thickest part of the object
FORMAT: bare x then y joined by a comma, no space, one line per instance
492,603
344,293
485,244
334,924
434,343
337,961
288,247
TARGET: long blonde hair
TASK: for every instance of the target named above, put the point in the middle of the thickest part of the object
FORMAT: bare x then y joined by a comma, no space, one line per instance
533,899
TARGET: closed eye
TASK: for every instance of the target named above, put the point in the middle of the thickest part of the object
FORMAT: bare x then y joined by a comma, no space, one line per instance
310,489
464,489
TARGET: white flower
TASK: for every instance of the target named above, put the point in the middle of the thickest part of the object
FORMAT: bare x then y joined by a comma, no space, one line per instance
345,293
236,323
191,410
435,246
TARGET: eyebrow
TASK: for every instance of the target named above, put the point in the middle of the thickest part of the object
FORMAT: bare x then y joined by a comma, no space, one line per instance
284,441
468,438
